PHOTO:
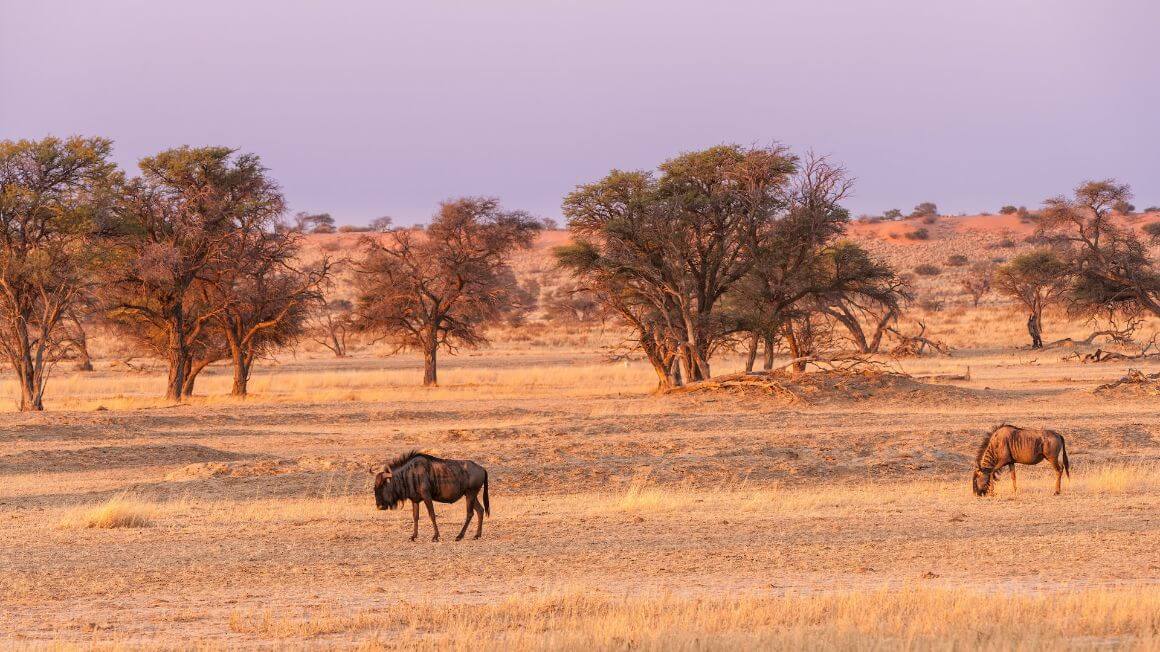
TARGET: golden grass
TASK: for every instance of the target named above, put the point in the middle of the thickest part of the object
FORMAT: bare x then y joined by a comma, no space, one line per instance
1118,478
914,617
122,510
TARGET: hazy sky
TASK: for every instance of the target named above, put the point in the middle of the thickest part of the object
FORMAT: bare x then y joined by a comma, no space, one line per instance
383,108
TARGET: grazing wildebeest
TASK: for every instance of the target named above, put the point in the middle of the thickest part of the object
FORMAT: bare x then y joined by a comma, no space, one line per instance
420,477
1007,445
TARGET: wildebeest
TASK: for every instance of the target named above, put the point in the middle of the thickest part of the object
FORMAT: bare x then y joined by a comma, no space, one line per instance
1007,445
420,477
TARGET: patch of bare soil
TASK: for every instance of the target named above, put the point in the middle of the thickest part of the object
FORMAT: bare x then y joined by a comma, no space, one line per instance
1135,383
828,387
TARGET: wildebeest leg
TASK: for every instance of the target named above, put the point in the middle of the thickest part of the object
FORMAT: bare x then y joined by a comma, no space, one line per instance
1058,472
431,513
470,513
415,517
479,513
1014,486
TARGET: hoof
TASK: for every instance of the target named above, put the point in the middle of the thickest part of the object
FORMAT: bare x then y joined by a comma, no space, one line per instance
413,539
435,538
459,538
476,537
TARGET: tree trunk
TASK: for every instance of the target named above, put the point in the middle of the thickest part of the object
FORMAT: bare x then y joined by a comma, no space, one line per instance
189,376
430,361
769,353
880,330
242,365
853,327
31,398
178,356
339,346
177,376
795,349
752,353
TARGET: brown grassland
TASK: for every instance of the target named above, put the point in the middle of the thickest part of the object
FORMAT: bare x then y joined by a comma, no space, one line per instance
621,519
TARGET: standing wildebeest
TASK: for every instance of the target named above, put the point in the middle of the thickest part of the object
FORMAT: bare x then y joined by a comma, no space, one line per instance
1008,445
421,477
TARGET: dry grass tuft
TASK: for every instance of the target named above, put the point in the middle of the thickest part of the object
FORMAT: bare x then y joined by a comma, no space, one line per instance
121,510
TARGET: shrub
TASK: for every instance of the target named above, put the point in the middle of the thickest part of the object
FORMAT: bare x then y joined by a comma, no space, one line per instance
1008,210
931,305
918,234
958,260
351,228
926,269
1152,209
892,214
1152,229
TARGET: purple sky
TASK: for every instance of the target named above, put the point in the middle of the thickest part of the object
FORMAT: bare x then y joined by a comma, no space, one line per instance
383,108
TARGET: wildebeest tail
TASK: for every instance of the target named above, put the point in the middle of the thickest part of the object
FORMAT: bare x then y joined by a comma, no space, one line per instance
487,504
1066,464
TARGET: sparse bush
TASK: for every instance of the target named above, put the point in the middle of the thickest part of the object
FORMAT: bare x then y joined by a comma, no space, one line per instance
926,269
1036,280
931,305
1008,210
892,214
917,234
352,228
930,219
999,260
1152,229
957,260
1152,209
1005,243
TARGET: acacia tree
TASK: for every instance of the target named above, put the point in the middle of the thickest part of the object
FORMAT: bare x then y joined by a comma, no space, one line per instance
775,298
183,218
264,298
441,288
662,252
1036,280
1111,263
856,290
52,200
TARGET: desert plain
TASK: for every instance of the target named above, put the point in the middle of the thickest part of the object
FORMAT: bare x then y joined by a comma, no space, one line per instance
838,515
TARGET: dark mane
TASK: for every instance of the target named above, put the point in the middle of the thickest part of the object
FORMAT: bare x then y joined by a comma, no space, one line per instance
987,441
407,457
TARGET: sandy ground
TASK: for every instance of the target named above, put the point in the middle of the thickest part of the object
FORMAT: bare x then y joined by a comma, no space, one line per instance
266,505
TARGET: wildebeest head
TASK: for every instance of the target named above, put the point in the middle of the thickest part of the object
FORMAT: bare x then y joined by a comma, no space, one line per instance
387,495
981,481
